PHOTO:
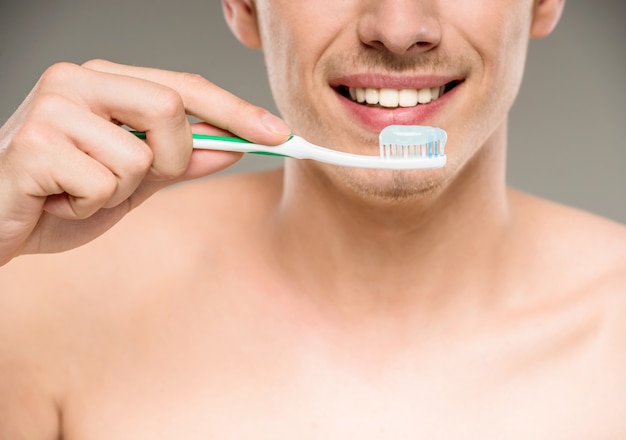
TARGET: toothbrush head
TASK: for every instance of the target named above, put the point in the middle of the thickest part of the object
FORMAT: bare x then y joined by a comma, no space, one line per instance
412,141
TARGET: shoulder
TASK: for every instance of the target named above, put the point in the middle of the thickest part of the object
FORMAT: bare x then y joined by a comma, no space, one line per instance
581,257
571,253
54,309
578,254
153,251
161,241
581,241
223,201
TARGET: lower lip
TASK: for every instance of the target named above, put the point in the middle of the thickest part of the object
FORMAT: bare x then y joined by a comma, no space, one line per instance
377,118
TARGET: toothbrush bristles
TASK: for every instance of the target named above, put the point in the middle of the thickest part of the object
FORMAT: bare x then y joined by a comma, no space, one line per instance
395,151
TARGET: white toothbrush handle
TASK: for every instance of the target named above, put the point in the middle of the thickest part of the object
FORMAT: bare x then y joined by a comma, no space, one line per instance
299,148
231,143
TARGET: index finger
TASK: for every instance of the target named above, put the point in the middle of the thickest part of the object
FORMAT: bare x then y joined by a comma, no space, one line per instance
210,103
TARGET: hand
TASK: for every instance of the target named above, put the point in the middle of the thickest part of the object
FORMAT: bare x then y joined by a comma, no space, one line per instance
68,171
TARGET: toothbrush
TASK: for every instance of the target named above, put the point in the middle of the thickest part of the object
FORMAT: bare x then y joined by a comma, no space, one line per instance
402,147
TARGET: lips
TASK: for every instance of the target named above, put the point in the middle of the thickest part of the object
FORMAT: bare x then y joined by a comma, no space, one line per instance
376,101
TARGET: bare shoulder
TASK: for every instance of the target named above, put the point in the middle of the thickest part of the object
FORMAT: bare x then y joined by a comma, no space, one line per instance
580,241
159,247
168,244
583,257
56,309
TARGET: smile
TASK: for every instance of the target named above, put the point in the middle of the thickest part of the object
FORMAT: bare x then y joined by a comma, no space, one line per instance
394,98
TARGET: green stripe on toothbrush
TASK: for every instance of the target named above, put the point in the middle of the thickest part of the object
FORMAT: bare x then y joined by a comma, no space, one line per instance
236,139
142,135
267,153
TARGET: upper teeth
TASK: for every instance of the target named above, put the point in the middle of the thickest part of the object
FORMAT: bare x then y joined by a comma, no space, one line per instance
394,97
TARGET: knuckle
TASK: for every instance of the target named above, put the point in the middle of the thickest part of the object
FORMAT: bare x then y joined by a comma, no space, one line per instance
38,127
193,80
140,161
59,73
33,134
49,106
169,169
101,188
104,188
28,134
178,170
167,172
254,112
168,104
81,209
95,64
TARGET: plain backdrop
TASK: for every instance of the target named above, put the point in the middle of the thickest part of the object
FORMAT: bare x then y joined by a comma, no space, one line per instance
568,130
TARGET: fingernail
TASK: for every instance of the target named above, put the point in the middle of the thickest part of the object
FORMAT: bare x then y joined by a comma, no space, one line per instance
275,124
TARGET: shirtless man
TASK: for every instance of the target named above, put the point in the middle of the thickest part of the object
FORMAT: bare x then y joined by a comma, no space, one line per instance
314,302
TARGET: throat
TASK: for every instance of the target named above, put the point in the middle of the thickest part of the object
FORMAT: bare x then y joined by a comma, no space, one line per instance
414,237
363,254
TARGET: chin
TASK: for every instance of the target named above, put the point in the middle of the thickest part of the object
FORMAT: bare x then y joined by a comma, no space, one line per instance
390,185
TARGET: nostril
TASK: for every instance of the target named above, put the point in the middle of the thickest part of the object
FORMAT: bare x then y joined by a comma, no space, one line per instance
400,47
424,44
400,27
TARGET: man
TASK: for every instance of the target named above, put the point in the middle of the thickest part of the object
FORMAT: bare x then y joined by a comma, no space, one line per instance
315,301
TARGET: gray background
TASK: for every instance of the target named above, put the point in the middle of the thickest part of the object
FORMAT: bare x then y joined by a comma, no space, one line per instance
568,132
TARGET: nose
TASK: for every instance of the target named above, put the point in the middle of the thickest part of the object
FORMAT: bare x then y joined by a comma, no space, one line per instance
400,26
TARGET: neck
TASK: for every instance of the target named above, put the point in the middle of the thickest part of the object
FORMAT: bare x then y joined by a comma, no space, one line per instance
345,249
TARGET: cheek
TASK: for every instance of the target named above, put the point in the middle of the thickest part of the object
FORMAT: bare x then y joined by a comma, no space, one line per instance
287,71
510,56
285,50
498,31
295,36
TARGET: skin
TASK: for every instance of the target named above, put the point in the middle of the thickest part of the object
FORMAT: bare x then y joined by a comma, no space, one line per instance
311,301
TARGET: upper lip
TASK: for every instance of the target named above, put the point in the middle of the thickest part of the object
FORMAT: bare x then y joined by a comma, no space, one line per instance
394,82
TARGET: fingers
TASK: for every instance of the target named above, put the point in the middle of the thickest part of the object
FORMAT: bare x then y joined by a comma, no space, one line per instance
63,149
146,106
124,157
61,153
208,102
74,107
45,163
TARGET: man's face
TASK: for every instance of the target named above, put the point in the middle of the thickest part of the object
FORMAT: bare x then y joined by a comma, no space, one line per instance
463,60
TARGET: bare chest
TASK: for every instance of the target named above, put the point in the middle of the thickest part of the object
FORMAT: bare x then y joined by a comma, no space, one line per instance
248,375
323,407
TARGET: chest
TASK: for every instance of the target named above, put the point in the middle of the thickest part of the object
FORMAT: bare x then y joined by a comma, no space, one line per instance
344,409
222,380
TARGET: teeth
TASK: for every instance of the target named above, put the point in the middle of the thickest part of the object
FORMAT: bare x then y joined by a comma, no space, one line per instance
372,96
388,98
392,98
360,95
408,97
424,96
